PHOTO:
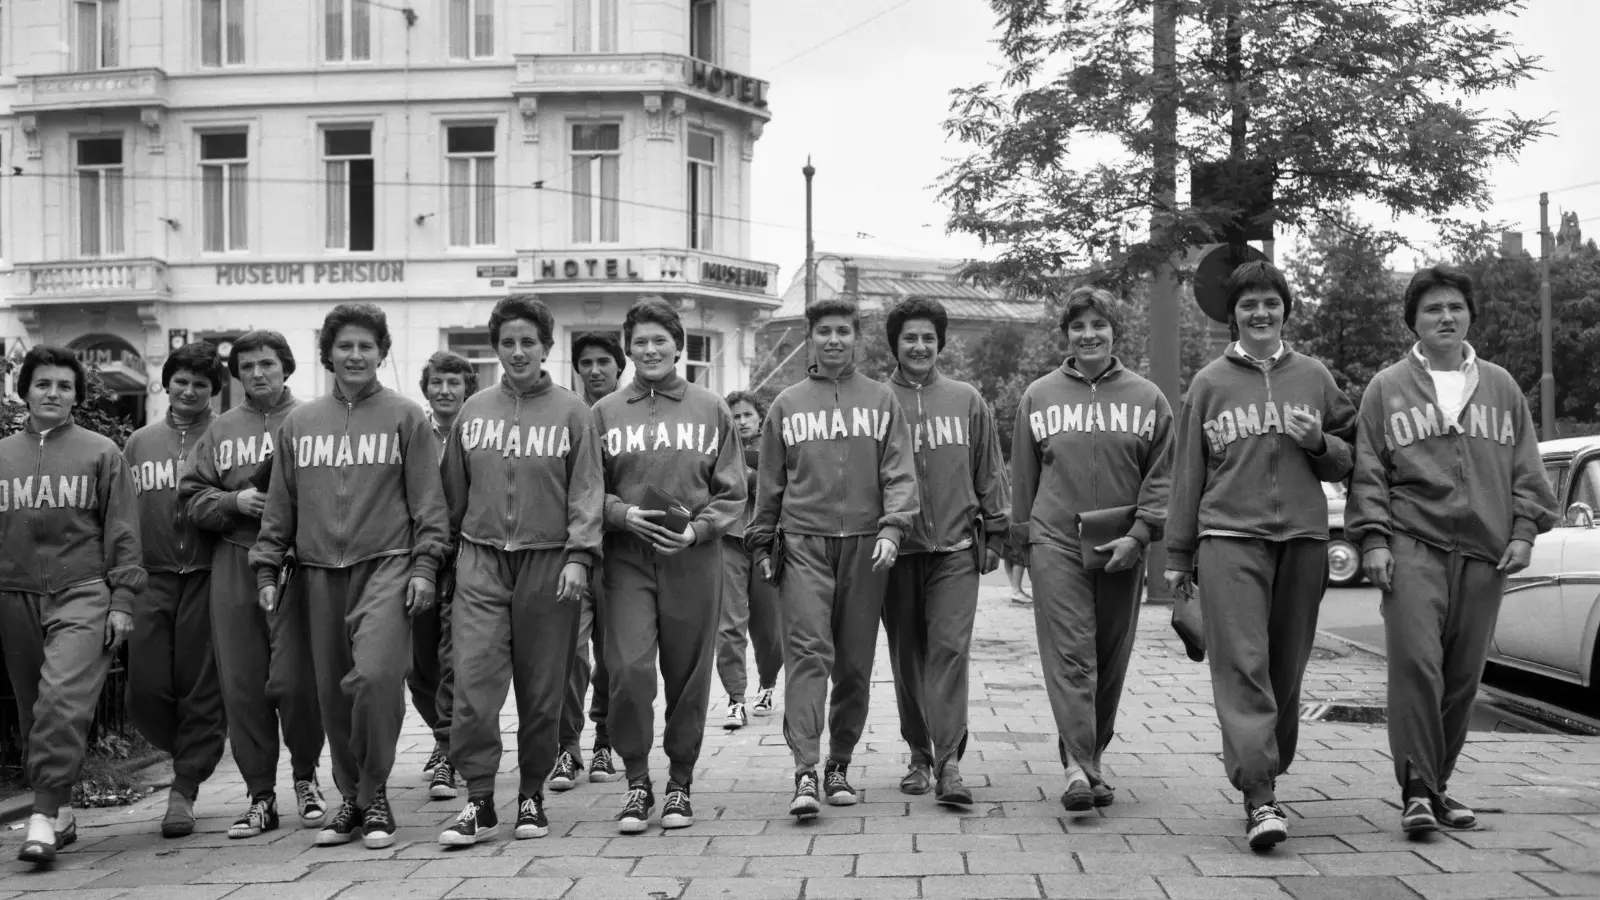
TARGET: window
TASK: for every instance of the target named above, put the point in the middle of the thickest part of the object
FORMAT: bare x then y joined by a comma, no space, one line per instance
221,32
347,30
702,189
1586,488
703,30
594,26
470,153
224,169
95,44
475,347
596,152
471,29
347,154
100,199
697,359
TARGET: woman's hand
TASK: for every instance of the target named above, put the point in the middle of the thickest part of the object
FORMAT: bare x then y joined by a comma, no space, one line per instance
642,523
1306,429
1518,555
419,595
251,502
1179,582
675,543
766,569
1124,553
884,554
573,582
1378,563
118,626
267,598
991,561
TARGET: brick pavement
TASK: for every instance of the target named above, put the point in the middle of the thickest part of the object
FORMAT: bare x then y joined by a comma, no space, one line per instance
1175,832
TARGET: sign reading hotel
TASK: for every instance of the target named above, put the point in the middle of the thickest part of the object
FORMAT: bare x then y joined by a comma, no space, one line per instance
351,272
722,83
588,268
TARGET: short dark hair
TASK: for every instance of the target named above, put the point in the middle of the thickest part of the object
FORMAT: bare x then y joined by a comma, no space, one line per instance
46,355
361,315
252,341
199,357
605,340
1258,275
916,308
750,398
1432,277
453,363
833,306
1086,298
528,308
653,309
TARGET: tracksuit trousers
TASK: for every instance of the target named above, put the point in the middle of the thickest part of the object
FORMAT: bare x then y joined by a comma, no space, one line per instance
513,633
666,605
928,611
174,695
1260,600
264,668
1086,623
360,649
831,601
1438,619
749,616
55,650
432,678
585,670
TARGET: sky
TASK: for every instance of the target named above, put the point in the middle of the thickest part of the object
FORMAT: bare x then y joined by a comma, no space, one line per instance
862,87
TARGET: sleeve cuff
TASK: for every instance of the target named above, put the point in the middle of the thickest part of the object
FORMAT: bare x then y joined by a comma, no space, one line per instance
702,531
1524,529
230,503
582,558
1180,560
1374,542
995,543
266,577
1019,534
1141,532
890,533
122,600
425,566
616,515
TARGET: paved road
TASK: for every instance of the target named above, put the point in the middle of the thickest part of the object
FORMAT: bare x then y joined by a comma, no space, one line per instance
1175,831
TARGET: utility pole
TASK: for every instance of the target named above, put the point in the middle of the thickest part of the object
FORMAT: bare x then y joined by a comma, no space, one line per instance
1547,377
811,247
1165,321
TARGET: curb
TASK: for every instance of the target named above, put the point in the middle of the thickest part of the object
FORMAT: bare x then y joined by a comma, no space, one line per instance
1353,644
20,806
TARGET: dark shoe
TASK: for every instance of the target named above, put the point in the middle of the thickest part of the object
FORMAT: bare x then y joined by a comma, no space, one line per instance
603,766
564,775
531,822
443,786
1417,818
1078,797
1266,826
477,823
736,718
1104,795
309,803
951,791
918,781
179,820
66,828
1453,813
677,811
635,815
342,828
763,705
805,805
436,757
379,821
39,847
261,816
837,786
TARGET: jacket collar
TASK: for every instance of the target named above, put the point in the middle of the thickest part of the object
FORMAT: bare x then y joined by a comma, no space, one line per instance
61,429
814,374
673,386
370,390
1236,356
1070,369
284,400
1468,363
200,423
900,378
540,386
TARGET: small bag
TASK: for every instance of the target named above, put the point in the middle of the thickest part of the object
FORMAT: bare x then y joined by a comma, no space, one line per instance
1188,622
677,515
1099,527
261,478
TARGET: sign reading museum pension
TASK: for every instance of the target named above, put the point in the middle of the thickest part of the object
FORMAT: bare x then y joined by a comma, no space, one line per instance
339,272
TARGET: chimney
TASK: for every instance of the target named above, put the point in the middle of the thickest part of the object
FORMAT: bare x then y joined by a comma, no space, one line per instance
1510,244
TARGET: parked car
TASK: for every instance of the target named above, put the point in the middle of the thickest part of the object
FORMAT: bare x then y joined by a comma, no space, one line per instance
1344,558
1551,612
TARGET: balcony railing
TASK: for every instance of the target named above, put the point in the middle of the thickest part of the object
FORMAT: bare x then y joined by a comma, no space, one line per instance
91,279
97,89
654,268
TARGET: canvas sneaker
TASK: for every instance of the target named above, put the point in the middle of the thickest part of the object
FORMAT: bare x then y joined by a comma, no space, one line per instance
1266,826
736,718
342,828
636,808
262,815
443,785
805,805
309,803
763,705
602,765
531,822
564,775
677,812
837,786
378,827
477,823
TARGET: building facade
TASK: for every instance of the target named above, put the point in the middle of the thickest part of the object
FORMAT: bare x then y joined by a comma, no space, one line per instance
184,169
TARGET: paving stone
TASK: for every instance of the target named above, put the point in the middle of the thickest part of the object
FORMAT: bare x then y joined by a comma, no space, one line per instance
832,888
906,864
372,870
743,889
575,866
1135,864
1100,887
801,866
252,874
1005,862
510,889
1567,884
1250,864
981,887
1578,859
300,890
1193,887
1473,886
962,843
690,866
611,887
1456,858
1381,863
1358,887
832,845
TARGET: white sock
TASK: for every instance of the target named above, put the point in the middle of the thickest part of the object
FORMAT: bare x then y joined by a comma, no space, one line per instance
1075,773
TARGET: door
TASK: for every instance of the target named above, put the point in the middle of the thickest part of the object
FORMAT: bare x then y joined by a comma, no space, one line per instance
1580,571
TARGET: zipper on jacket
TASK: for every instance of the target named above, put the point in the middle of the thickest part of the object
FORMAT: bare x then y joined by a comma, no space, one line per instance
844,450
349,414
922,472
511,488
1094,445
177,516
1274,448
38,478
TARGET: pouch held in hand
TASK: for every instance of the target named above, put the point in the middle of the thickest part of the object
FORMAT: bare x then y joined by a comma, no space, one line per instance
1099,527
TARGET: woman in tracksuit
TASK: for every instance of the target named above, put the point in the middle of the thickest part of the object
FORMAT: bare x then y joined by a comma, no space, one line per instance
1448,496
1260,428
356,492
70,568
836,494
662,587
263,660
1089,436
173,693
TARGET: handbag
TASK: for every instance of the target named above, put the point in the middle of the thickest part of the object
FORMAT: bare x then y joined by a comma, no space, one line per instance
677,515
1187,621
1099,527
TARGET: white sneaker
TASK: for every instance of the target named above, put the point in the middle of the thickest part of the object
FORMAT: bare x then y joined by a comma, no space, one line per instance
39,847
736,718
763,704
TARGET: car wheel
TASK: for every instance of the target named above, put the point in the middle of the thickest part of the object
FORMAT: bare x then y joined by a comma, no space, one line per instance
1344,563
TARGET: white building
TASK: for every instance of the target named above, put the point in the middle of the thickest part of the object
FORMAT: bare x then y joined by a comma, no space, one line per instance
178,169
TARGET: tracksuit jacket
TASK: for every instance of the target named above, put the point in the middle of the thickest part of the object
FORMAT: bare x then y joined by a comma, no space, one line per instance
228,454
68,515
960,472
159,454
366,488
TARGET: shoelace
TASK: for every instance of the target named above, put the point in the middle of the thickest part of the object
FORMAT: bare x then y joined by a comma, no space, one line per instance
529,808
565,762
676,799
256,815
602,758
836,779
808,784
379,810
435,758
637,799
469,813
305,792
1263,812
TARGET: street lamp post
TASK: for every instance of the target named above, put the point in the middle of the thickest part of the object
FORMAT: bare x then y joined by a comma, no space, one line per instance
811,247
1547,378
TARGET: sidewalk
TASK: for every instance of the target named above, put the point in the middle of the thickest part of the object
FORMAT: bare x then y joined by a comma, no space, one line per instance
1175,832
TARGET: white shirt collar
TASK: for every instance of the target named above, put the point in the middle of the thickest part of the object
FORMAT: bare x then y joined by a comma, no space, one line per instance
1283,347
1468,362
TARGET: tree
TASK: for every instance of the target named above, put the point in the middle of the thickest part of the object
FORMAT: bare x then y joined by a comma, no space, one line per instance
1344,99
1349,305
